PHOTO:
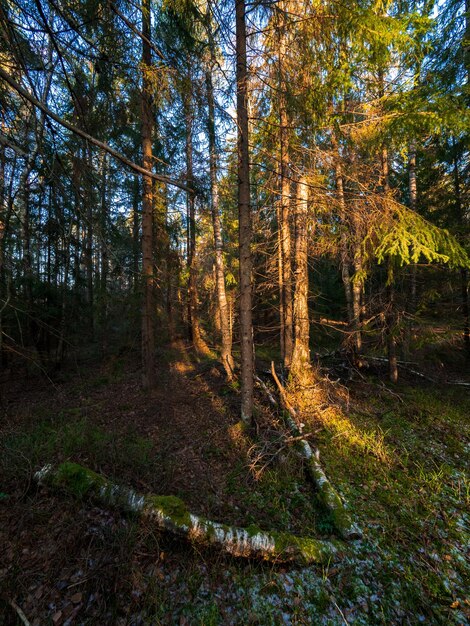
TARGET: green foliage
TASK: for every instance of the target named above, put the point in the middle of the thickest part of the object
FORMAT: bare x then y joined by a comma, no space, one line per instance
406,237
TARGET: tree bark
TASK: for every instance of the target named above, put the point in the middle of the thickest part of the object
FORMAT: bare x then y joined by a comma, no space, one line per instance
193,313
301,351
135,233
104,261
390,323
285,200
244,219
463,271
226,348
412,192
352,290
148,332
89,195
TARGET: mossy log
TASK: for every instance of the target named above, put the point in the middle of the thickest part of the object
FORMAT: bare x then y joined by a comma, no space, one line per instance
171,514
326,493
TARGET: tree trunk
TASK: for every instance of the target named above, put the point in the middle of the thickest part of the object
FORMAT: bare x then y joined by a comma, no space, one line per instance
352,290
104,217
390,330
226,351
280,272
193,314
412,192
464,272
148,333
285,201
465,310
3,233
89,195
135,233
244,219
301,351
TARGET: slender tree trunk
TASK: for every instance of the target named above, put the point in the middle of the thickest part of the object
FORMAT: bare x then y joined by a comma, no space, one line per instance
357,291
60,353
135,234
104,256
463,272
3,235
412,192
391,320
391,340
285,201
352,290
89,195
244,219
195,328
280,272
301,350
390,316
148,333
76,185
27,263
465,310
226,351
345,266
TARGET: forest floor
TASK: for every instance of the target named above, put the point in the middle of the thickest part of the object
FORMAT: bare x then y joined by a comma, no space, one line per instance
398,457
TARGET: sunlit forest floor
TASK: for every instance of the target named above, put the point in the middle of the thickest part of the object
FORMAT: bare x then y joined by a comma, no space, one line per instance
398,456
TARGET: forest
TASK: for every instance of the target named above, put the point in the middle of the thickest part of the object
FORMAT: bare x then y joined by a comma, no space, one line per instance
234,312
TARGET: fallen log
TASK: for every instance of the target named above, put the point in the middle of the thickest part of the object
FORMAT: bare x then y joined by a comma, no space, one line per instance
327,495
171,514
403,365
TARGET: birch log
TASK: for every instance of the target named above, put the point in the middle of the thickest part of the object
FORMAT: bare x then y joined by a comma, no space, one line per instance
327,494
171,514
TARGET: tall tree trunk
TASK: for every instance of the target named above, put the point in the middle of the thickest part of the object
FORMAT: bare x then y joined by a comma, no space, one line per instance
104,256
148,332
345,265
89,195
3,234
391,340
390,316
244,219
135,234
412,192
193,314
280,280
352,290
226,348
285,201
301,349
60,352
464,271
357,290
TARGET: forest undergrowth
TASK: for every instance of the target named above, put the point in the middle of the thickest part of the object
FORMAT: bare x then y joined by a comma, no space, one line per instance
398,457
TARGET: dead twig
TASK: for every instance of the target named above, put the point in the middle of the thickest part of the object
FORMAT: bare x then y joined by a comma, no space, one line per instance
20,613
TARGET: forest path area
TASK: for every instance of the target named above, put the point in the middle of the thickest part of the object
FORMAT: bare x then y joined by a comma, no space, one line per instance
181,430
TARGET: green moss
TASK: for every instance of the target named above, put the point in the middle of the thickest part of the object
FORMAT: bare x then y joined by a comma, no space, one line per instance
253,530
77,479
304,548
172,507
